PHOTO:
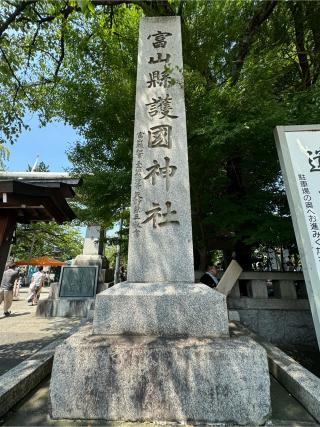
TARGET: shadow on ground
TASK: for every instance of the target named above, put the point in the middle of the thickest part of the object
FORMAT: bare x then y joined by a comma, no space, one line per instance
16,315
13,354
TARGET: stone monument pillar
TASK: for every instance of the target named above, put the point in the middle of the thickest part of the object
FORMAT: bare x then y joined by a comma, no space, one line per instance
160,241
93,252
93,241
159,347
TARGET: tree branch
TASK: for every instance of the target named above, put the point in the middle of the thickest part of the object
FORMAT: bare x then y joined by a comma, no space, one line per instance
18,10
312,13
61,57
298,18
31,46
242,50
19,85
150,7
12,73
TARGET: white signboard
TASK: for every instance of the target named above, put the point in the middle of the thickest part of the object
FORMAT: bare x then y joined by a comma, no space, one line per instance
299,153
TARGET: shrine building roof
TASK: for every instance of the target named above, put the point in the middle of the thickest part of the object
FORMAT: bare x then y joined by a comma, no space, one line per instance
37,196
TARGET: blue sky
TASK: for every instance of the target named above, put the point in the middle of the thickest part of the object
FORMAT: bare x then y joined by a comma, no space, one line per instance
49,142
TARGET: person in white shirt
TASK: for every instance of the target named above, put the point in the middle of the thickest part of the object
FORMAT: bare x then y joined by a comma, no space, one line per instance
36,286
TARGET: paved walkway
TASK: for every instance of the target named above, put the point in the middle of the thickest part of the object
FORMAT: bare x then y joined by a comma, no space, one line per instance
22,334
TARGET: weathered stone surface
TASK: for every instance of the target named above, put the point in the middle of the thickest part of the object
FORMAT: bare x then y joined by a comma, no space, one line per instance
54,290
162,309
272,323
235,291
299,328
20,380
280,326
268,304
85,260
66,307
234,315
149,379
93,241
258,289
300,382
160,241
284,289
250,318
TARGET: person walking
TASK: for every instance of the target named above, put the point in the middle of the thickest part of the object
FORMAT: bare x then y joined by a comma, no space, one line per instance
36,284
6,287
17,284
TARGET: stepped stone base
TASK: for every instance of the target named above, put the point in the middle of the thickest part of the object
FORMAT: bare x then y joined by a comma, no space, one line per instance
131,378
161,309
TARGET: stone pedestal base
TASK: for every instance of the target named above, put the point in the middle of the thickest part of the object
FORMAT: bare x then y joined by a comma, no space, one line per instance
161,309
65,307
131,378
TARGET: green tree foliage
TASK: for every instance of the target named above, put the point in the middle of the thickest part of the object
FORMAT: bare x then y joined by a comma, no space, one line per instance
249,66
61,241
40,167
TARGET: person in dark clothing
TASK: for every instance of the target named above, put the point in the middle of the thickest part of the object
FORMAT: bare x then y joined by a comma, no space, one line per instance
210,277
6,288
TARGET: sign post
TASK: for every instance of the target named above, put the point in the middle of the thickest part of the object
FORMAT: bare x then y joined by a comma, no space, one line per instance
299,154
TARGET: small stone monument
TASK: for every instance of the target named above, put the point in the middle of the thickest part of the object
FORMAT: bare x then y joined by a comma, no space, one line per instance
93,252
93,241
74,295
159,348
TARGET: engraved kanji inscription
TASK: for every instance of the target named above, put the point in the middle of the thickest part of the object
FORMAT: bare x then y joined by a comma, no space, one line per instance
159,39
136,204
159,58
167,171
160,136
159,78
137,175
169,216
161,107
136,228
154,214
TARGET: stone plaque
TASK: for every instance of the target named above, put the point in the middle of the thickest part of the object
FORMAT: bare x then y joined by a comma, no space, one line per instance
160,242
78,282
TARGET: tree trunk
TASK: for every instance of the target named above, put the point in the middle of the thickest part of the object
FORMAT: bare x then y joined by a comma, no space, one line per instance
297,11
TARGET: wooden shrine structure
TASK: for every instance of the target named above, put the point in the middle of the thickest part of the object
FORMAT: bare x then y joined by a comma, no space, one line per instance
27,197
